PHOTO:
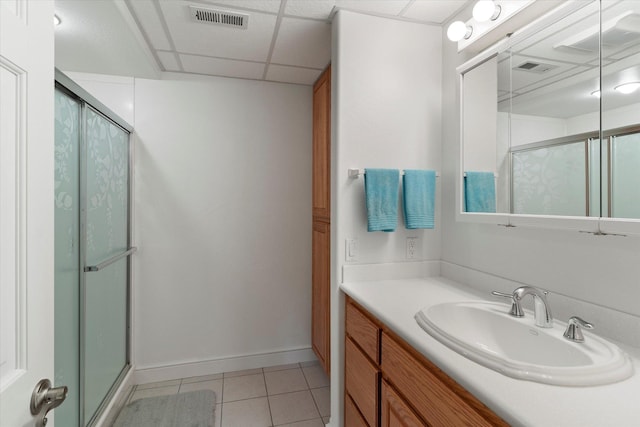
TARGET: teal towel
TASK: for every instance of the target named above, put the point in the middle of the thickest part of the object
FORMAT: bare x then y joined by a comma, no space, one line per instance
419,190
381,193
480,192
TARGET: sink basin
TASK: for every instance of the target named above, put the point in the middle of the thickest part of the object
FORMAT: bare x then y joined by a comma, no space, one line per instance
485,333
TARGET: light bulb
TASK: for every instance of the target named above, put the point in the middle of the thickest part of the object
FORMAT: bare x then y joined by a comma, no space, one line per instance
56,20
485,10
628,88
458,30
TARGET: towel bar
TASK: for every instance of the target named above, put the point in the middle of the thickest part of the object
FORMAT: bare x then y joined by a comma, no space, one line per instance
355,173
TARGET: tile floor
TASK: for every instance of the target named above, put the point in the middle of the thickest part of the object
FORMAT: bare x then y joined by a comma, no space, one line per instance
295,395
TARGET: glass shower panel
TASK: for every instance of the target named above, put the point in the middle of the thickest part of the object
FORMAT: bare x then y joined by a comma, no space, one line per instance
105,331
550,180
67,255
625,176
107,231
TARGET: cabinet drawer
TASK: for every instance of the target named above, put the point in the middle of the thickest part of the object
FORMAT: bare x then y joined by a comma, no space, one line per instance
433,399
395,412
361,382
363,331
352,417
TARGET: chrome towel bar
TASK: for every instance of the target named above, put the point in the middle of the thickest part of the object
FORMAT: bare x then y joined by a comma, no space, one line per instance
111,260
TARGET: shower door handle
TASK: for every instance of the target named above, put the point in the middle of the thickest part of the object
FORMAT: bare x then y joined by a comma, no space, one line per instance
45,398
110,261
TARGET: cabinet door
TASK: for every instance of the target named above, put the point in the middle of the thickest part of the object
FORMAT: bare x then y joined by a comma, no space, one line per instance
352,417
395,412
320,294
322,146
361,382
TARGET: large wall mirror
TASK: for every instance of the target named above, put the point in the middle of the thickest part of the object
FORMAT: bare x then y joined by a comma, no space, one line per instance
551,116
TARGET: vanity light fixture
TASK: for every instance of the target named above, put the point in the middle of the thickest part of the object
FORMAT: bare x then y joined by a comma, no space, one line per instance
458,30
485,10
56,20
627,88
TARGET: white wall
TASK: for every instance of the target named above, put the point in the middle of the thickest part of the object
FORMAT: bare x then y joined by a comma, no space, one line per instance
223,220
599,269
386,113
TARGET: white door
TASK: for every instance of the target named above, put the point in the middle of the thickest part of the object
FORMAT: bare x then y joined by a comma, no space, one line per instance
26,205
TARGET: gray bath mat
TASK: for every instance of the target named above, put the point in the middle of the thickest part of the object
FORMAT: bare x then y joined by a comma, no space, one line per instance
194,409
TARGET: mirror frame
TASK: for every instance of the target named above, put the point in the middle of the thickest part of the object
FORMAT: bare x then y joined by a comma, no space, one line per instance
595,225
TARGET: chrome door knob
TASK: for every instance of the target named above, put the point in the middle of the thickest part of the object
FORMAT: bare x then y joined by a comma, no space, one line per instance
45,398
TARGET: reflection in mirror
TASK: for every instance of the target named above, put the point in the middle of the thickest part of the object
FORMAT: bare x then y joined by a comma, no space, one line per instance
543,141
621,107
553,117
482,155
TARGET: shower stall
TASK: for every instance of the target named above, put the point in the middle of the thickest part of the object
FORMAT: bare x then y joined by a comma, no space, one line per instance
92,252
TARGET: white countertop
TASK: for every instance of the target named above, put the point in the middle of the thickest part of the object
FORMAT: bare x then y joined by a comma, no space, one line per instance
518,402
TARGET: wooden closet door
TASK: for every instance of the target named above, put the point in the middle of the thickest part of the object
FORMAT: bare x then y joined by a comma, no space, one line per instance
322,147
320,293
321,200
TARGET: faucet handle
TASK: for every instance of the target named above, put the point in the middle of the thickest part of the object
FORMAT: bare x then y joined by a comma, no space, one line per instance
516,308
574,331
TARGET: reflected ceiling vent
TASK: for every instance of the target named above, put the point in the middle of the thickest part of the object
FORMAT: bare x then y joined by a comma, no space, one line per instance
219,17
535,67
616,33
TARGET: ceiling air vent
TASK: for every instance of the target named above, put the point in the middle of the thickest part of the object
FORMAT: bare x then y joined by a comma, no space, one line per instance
219,17
535,67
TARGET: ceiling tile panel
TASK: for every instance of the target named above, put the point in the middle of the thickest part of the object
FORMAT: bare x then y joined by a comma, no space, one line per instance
272,6
169,61
147,14
222,67
303,42
433,10
251,44
317,9
282,73
387,7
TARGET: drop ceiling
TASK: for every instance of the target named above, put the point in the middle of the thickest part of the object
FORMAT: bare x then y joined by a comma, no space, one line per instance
285,40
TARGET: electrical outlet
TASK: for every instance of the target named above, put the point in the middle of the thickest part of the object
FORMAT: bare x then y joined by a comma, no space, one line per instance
412,247
351,250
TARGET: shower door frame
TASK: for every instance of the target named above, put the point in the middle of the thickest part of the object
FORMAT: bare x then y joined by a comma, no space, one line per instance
86,101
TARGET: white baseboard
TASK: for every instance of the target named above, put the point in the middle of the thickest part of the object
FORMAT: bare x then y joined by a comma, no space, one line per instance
228,364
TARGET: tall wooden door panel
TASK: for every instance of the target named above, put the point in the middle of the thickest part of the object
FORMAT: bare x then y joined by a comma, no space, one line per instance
320,293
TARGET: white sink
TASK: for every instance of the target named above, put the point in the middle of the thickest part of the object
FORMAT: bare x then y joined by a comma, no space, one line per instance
485,333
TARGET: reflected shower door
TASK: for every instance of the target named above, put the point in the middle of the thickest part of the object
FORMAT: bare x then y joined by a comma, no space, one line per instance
550,180
106,209
625,176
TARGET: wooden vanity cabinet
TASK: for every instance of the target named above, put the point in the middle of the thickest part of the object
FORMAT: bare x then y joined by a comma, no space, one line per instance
410,390
362,366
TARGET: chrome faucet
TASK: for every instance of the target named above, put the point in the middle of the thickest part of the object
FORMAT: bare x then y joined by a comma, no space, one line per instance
542,312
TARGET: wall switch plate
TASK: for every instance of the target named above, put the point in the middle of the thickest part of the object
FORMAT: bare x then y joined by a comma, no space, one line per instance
412,247
351,250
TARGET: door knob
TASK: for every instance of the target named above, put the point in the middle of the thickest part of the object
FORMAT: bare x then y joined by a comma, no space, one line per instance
45,398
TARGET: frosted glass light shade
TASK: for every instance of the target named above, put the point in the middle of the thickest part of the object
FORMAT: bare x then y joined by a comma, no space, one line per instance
485,10
596,93
458,30
627,88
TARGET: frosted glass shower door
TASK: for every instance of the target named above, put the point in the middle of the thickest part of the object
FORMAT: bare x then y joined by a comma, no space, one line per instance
106,153
67,255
